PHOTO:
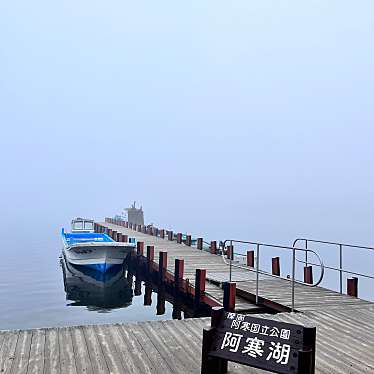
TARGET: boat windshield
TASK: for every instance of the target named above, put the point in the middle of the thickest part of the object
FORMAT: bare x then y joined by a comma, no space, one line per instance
82,225
78,225
88,225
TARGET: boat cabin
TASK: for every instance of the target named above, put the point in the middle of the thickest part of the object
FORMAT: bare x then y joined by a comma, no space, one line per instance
82,225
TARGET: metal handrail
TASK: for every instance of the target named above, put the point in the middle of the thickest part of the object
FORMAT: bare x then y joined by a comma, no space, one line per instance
258,271
340,269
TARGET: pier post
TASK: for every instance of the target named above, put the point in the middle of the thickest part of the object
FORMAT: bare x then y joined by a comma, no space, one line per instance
140,228
179,238
177,308
188,240
125,238
275,266
170,235
162,234
199,243
130,277
126,224
150,257
144,229
352,287
213,247
200,278
137,286
178,273
114,235
130,225
160,308
162,265
148,293
140,248
308,274
251,258
229,295
230,252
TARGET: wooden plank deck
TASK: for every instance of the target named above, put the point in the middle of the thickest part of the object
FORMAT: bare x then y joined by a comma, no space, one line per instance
344,345
271,290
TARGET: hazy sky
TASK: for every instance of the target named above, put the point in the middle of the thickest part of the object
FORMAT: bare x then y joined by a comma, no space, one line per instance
243,119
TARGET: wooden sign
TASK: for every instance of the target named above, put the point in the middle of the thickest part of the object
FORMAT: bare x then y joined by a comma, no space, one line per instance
278,347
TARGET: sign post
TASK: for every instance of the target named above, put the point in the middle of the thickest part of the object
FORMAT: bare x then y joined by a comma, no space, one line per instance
278,347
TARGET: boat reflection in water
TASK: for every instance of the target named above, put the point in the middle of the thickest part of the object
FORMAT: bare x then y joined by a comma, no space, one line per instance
98,291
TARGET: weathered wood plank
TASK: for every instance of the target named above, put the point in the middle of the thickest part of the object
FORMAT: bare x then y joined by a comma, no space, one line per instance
110,354
51,352
22,353
98,362
67,359
81,353
7,351
36,361
157,361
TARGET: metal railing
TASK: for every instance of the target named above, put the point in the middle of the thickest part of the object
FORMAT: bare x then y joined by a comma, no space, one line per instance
340,247
257,270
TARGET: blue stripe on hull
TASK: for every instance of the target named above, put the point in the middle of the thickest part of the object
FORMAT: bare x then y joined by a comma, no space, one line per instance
102,268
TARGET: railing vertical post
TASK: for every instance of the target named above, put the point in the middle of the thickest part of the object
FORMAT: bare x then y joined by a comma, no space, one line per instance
341,267
275,266
230,252
230,278
251,259
257,269
199,244
293,279
229,295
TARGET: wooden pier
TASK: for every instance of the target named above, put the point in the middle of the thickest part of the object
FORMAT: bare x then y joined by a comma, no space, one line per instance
345,324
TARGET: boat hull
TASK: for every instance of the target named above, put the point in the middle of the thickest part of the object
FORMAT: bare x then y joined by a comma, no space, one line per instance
97,256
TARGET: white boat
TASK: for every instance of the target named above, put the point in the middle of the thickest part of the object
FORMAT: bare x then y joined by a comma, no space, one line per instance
98,251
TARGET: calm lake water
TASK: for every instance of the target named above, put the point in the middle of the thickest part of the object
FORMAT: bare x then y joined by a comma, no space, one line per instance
38,290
